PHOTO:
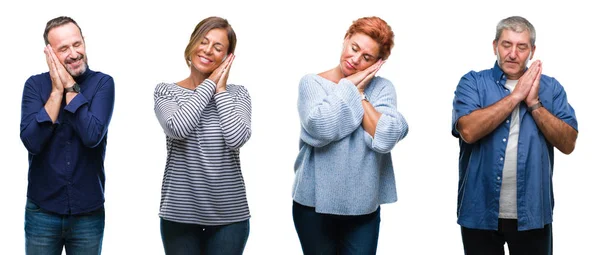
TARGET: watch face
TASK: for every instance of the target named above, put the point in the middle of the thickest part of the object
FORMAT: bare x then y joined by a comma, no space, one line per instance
74,88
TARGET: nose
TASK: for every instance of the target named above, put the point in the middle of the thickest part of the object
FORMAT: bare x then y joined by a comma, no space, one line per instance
355,59
73,53
513,53
207,50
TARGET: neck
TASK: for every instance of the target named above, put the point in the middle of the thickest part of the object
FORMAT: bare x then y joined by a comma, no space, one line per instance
515,77
194,79
335,74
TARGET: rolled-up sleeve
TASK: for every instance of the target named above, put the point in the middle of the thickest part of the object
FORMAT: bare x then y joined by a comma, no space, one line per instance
466,100
561,107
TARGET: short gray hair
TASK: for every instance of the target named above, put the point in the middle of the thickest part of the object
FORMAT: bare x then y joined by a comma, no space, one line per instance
517,24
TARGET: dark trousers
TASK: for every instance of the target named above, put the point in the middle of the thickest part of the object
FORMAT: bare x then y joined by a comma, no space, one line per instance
334,234
184,239
491,242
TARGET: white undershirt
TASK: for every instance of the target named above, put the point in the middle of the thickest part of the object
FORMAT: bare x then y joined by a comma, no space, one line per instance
508,191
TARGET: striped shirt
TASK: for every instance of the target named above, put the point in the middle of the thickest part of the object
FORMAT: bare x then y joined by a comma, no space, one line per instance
203,182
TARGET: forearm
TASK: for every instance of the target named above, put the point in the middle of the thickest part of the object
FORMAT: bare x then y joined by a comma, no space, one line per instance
234,118
370,118
36,123
560,134
91,117
329,117
178,121
480,123
52,106
69,96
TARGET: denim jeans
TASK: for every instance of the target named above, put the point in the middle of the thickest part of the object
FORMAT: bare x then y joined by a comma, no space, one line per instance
182,238
46,233
335,234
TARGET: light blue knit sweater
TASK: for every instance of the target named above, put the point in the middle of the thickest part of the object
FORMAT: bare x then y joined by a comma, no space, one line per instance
341,169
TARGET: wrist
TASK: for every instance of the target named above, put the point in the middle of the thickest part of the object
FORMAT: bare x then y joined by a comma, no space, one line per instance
363,97
535,106
57,93
516,98
74,88
531,103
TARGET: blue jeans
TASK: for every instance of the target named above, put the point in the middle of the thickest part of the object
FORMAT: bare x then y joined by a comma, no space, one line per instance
182,238
46,233
335,234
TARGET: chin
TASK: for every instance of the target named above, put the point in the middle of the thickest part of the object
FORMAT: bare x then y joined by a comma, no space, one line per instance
77,72
204,69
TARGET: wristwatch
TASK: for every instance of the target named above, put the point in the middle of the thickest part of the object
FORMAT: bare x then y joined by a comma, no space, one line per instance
74,88
363,96
535,106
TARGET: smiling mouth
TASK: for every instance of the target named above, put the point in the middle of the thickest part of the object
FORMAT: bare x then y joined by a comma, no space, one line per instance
205,60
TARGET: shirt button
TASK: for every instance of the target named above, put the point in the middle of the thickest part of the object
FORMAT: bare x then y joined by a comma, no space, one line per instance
504,140
497,82
68,163
507,121
498,177
501,158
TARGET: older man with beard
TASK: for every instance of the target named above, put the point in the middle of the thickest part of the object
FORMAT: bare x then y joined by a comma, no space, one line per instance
64,121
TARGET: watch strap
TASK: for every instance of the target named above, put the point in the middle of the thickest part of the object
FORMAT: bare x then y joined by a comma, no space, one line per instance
74,88
535,106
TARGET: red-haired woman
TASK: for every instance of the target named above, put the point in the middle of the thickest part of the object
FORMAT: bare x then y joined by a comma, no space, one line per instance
349,126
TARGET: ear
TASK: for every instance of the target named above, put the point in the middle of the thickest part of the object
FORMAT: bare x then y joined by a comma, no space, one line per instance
495,47
532,52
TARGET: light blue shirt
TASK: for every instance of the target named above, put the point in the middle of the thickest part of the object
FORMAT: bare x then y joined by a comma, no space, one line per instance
481,163
341,169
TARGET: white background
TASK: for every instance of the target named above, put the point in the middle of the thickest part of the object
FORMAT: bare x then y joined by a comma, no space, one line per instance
140,45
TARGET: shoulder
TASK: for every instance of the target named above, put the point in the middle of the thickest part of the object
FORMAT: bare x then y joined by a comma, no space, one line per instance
102,78
237,90
379,81
473,79
477,75
311,79
164,88
550,81
101,74
39,78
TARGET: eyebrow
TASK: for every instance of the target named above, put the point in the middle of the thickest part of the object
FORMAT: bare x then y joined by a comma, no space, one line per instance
511,43
216,43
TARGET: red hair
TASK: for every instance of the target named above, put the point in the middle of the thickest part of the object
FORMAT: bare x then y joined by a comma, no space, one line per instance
378,30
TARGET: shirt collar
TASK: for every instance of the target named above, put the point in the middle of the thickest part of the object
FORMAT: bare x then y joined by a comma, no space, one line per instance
498,73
